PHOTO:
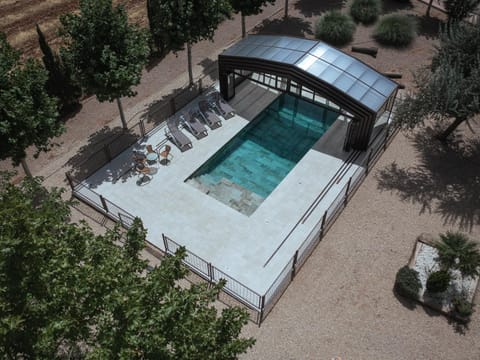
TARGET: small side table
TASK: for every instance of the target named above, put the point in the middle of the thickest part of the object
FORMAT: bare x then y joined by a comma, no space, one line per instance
152,157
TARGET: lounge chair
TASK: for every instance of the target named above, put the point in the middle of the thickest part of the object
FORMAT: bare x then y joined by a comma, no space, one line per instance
191,121
175,135
212,119
221,105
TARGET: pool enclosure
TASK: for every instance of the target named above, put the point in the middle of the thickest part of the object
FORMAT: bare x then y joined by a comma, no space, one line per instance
315,72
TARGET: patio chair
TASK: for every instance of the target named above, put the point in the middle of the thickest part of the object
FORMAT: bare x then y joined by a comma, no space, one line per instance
145,173
221,105
211,119
175,135
165,156
191,121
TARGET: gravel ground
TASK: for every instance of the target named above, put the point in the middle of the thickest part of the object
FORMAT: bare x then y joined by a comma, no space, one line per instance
341,303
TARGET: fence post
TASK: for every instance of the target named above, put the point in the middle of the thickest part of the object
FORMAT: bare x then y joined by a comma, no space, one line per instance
104,203
262,309
172,105
345,200
210,272
294,264
165,243
70,181
142,127
386,138
368,161
324,219
107,152
200,86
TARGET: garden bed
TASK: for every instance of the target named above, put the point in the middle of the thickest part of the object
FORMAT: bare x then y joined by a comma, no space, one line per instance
424,261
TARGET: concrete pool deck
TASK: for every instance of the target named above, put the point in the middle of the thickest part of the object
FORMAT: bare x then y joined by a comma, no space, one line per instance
252,249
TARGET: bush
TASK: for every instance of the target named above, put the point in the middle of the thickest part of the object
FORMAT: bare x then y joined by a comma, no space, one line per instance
365,11
457,251
395,30
438,281
335,28
407,283
462,306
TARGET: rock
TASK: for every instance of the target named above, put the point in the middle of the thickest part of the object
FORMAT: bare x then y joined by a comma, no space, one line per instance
426,238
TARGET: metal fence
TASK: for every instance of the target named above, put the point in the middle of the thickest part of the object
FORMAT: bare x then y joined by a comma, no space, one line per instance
258,305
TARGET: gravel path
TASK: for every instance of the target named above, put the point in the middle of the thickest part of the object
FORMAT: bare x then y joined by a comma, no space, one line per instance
341,302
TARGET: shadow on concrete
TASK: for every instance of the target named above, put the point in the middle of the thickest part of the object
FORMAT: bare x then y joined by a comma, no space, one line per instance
446,181
103,145
428,26
292,26
310,8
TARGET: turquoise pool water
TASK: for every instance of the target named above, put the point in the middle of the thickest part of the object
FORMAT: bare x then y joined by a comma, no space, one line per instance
251,165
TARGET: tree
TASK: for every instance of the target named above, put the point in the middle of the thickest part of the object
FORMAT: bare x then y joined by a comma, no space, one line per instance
104,50
249,7
449,89
187,22
458,10
60,83
28,115
457,251
67,293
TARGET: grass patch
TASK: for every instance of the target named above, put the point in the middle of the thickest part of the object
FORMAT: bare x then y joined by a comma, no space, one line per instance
396,30
335,28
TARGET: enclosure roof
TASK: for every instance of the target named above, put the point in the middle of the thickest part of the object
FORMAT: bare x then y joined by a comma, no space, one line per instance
321,61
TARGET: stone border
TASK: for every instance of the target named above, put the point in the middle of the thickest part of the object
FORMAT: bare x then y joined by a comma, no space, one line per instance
428,239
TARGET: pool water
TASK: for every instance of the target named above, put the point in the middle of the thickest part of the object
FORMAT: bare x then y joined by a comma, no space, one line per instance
251,165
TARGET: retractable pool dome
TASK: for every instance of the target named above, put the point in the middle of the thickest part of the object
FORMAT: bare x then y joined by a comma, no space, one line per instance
342,79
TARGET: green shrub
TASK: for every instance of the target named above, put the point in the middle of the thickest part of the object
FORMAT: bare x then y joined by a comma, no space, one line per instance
365,11
395,30
407,283
462,306
457,251
335,28
438,281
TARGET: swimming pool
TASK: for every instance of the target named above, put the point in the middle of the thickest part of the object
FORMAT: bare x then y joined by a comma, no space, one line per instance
251,165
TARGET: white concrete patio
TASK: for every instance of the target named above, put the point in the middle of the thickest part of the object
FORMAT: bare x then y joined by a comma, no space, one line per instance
251,249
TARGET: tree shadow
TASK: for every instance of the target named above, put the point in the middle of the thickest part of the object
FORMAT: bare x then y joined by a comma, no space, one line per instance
408,303
446,181
161,109
310,8
102,146
389,6
292,26
428,26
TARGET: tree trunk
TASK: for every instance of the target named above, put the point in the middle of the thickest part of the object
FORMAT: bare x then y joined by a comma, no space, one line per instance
286,10
443,136
122,115
244,32
189,58
428,8
25,167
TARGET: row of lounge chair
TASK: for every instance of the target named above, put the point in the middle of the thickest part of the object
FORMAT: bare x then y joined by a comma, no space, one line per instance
208,113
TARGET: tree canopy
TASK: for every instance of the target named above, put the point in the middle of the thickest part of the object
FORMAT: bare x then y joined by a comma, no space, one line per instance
60,83
67,293
28,115
185,22
249,7
459,9
106,52
448,90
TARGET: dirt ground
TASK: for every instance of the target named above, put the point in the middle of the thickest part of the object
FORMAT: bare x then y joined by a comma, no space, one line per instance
341,303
